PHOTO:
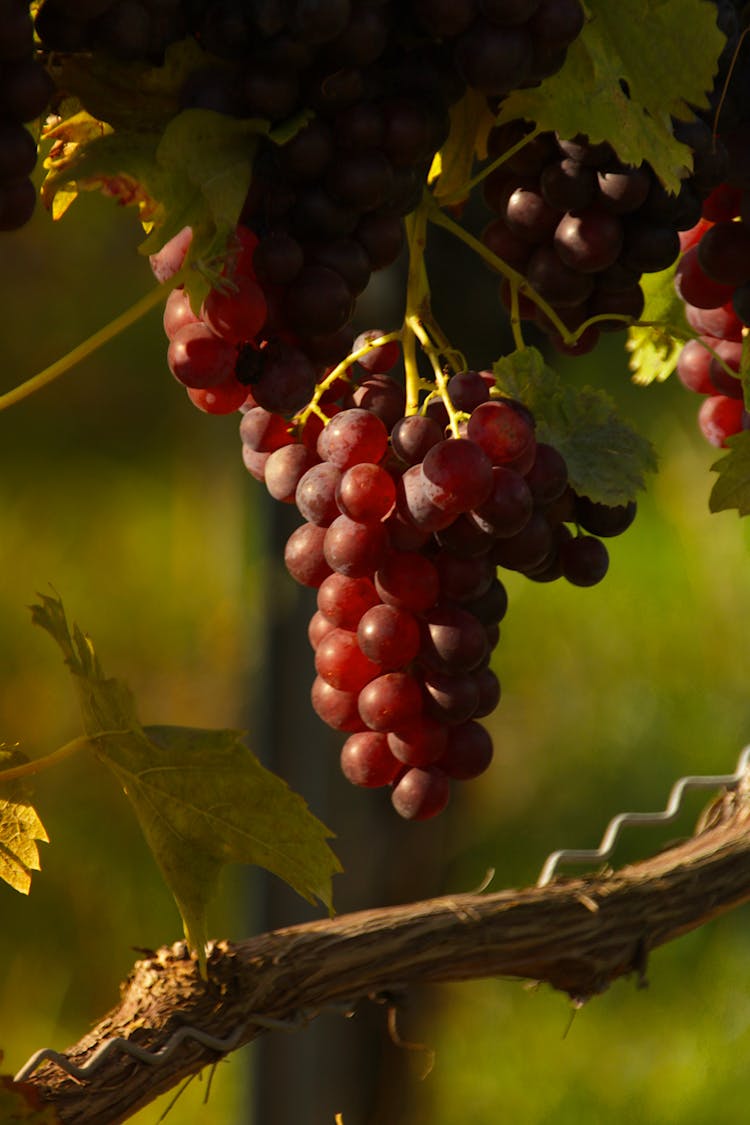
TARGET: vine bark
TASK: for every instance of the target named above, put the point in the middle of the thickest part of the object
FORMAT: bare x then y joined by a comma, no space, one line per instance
578,935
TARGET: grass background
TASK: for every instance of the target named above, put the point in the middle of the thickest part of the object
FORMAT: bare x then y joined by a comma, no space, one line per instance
136,508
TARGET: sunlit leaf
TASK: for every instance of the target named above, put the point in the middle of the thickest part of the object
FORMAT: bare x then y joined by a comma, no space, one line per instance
20,828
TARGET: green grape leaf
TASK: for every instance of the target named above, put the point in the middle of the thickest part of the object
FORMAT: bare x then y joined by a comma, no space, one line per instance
636,64
607,459
196,173
20,828
470,123
20,1103
654,349
202,798
732,487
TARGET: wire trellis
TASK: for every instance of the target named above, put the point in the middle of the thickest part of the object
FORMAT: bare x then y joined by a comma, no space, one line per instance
590,856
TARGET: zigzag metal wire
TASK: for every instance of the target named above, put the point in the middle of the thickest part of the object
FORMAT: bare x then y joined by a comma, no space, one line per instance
157,1058
615,826
553,861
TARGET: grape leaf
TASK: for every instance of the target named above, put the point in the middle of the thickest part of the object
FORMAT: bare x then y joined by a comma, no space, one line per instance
636,64
20,1102
470,123
732,487
196,173
20,828
201,797
654,350
607,459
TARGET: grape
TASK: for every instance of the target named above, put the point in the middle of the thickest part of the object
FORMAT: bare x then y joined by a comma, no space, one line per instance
237,314
366,760
366,493
490,606
489,692
354,549
284,469
694,367
719,417
381,396
508,507
721,322
381,359
344,600
527,548
414,505
414,436
389,636
494,60
223,399
316,494
584,560
421,793
318,301
557,283
408,581
468,753
17,202
199,358
450,698
17,151
353,437
346,257
528,215
603,519
453,640
318,628
462,579
278,258
420,744
730,352
623,190
568,185
501,431
168,261
696,287
390,702
456,475
178,312
304,556
263,431
282,378
724,253
336,708
589,241
341,663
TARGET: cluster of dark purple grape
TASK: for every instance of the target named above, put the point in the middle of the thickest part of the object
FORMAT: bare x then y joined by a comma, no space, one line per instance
25,92
123,29
582,228
404,532
713,279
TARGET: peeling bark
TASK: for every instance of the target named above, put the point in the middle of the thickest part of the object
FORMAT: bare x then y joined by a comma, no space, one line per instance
578,935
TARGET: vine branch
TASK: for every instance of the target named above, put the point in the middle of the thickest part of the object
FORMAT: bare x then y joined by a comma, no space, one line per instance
578,935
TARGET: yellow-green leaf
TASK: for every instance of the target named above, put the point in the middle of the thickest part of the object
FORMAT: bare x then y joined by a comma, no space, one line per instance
655,349
470,123
20,828
201,797
636,64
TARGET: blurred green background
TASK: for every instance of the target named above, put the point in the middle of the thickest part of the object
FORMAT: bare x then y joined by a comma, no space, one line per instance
136,508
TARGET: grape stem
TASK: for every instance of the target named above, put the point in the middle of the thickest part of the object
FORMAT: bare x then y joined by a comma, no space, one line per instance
465,191
40,765
143,305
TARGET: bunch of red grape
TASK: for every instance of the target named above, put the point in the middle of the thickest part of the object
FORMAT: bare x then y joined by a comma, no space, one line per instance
713,279
404,532
582,228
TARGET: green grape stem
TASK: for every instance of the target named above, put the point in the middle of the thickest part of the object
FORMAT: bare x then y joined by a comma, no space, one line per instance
142,306
463,193
40,765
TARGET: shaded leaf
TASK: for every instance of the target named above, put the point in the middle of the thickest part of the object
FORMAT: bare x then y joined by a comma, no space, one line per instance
732,487
636,64
20,1102
201,797
20,828
654,351
607,459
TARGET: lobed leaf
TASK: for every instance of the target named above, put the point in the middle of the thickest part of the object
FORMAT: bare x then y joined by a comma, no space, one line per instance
201,797
470,123
607,459
20,829
732,487
636,64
